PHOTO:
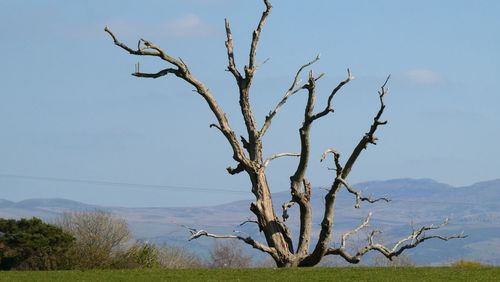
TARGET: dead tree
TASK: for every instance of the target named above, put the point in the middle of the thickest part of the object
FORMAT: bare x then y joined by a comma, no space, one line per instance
248,156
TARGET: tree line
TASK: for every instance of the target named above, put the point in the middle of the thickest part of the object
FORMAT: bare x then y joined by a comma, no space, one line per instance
98,240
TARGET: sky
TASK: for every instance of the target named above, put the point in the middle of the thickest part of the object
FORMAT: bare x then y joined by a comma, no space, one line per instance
75,124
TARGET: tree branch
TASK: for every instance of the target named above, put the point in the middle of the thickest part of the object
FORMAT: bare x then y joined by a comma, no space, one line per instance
147,48
195,234
346,235
336,159
238,169
415,238
359,197
158,74
342,173
291,91
328,109
143,51
255,40
230,53
249,221
275,156
369,137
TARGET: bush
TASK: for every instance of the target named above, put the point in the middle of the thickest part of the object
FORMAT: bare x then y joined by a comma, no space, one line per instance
100,238
145,255
178,257
140,255
30,244
229,254
466,263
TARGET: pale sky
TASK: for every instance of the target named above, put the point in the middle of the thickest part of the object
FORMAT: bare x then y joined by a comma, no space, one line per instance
71,110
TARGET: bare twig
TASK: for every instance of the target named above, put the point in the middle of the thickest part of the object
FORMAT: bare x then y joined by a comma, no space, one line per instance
346,235
157,51
294,88
230,53
275,156
195,234
359,197
329,107
248,221
255,39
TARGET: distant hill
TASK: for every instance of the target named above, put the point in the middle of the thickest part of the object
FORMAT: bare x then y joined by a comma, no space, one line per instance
473,209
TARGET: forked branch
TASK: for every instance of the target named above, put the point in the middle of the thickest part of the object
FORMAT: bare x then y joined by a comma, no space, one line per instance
329,108
411,241
147,48
294,88
359,197
255,40
195,234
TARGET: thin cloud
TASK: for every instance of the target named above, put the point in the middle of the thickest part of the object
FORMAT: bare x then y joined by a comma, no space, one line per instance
189,25
424,77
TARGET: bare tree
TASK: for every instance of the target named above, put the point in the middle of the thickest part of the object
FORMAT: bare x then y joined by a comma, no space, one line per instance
99,237
177,257
229,255
248,155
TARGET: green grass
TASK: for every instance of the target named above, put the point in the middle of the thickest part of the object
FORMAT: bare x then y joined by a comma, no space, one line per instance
449,274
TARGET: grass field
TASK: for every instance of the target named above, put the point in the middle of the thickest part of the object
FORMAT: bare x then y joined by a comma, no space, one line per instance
449,274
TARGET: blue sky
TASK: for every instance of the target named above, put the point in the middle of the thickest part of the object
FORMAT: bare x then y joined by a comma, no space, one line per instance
70,108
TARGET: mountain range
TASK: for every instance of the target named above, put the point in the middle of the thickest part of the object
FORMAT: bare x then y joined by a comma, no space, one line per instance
472,209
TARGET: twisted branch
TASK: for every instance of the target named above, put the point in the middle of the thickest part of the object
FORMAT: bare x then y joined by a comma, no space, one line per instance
411,241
